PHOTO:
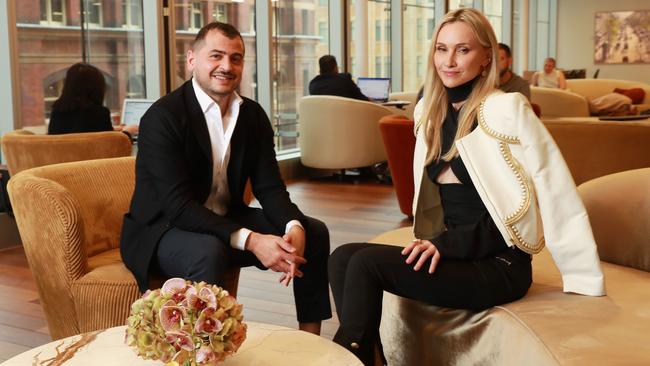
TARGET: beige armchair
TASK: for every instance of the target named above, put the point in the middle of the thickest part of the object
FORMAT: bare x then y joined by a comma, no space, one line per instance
24,150
340,133
70,217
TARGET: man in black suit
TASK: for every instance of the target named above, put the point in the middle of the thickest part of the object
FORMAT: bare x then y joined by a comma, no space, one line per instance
330,82
197,148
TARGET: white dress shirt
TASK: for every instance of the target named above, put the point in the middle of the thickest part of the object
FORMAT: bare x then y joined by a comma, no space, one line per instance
220,130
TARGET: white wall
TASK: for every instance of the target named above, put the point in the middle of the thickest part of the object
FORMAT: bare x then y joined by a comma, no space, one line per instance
575,38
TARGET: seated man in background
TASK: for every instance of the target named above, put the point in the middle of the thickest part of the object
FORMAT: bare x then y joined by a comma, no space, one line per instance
550,77
510,82
331,82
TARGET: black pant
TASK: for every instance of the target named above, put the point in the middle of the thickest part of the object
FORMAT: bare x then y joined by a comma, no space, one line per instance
360,273
203,257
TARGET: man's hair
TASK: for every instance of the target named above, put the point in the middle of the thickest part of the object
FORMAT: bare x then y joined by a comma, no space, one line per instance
226,29
552,60
327,64
506,49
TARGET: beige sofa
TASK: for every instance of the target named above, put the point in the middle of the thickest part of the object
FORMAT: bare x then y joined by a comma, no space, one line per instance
547,326
559,103
594,88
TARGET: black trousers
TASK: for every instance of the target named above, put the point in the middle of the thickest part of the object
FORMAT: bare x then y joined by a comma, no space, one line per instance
202,257
360,272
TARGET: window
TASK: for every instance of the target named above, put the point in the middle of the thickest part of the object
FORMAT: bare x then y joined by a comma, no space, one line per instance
132,13
219,13
323,31
196,16
416,43
375,17
457,4
378,66
493,10
52,12
93,13
296,50
378,30
43,60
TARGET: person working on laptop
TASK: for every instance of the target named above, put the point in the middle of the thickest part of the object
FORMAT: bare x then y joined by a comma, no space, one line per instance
198,146
80,108
331,82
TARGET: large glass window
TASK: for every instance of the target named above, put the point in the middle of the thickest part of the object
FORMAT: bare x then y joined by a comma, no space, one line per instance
493,10
416,41
49,40
542,49
190,15
300,30
455,4
371,20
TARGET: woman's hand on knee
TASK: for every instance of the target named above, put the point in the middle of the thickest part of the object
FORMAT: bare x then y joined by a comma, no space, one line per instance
425,250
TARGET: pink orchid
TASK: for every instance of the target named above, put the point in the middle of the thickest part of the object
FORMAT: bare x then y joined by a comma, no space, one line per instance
171,316
204,299
179,340
205,356
174,288
207,323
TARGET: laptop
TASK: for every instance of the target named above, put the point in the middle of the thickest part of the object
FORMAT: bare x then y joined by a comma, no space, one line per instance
133,109
376,89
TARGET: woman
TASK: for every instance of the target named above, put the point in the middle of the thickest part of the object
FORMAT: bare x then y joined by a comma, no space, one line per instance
80,107
487,174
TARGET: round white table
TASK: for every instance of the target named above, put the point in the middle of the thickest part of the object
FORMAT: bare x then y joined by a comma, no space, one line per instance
265,344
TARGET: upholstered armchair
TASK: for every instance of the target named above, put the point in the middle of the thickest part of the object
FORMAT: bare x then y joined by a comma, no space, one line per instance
399,141
70,217
24,150
340,133
559,103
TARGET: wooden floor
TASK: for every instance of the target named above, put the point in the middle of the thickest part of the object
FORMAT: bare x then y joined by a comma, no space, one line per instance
352,212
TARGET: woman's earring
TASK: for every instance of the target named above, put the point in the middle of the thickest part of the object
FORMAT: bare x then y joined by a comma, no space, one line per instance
483,71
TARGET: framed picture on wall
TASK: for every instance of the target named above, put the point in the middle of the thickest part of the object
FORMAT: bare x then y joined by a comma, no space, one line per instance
622,37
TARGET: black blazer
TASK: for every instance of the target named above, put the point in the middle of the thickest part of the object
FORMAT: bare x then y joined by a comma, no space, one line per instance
174,176
335,84
94,118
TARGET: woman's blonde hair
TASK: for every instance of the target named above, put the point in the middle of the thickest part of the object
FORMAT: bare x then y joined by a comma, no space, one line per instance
435,96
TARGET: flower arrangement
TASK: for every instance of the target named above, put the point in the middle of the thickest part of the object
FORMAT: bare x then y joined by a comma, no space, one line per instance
186,324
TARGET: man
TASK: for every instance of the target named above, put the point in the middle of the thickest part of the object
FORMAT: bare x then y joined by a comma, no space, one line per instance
330,82
197,148
509,81
550,77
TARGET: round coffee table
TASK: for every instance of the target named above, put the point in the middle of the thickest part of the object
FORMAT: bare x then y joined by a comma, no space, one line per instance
265,344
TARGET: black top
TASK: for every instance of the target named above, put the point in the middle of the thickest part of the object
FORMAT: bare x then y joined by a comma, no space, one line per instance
471,233
94,118
335,84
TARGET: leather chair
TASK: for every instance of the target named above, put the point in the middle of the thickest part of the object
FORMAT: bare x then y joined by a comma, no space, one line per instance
399,141
25,150
70,217
340,133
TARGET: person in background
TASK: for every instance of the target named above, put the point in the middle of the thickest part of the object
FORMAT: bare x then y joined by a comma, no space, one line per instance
487,179
331,82
510,82
550,77
80,108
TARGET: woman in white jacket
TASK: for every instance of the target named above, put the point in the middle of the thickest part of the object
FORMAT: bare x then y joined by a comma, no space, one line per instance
491,189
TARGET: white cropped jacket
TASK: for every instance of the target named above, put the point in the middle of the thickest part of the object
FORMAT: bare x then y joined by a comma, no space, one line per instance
525,185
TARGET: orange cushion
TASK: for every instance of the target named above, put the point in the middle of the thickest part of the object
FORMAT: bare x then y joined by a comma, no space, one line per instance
636,94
